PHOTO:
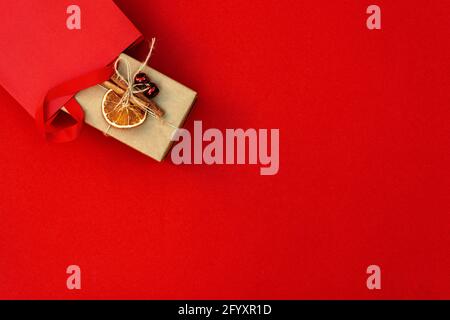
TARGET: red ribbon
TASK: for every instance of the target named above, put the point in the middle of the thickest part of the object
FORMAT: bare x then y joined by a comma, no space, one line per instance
45,121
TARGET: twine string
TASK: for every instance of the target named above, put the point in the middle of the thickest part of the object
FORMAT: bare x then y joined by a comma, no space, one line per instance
133,89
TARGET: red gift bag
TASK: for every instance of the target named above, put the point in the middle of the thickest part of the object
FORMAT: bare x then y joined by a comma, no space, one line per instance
43,63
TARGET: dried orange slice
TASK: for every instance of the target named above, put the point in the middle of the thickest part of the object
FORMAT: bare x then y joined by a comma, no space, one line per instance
121,116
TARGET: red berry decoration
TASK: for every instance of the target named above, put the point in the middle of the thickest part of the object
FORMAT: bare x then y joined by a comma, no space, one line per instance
142,78
152,91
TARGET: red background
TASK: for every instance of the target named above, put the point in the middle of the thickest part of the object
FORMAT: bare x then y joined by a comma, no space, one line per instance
364,175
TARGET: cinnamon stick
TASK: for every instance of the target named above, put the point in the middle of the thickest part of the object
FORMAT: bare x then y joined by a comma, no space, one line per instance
135,100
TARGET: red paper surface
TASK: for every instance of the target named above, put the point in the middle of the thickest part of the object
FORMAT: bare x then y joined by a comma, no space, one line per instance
39,52
364,164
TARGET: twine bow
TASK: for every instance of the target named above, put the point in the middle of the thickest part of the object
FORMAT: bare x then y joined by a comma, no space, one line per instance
132,88
132,91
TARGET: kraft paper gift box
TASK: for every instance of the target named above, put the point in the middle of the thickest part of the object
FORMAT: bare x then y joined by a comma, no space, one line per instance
153,138
43,65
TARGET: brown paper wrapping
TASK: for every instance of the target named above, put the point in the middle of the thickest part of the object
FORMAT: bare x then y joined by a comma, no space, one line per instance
153,138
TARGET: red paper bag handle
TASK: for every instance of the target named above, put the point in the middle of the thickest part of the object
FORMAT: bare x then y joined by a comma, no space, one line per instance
46,121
